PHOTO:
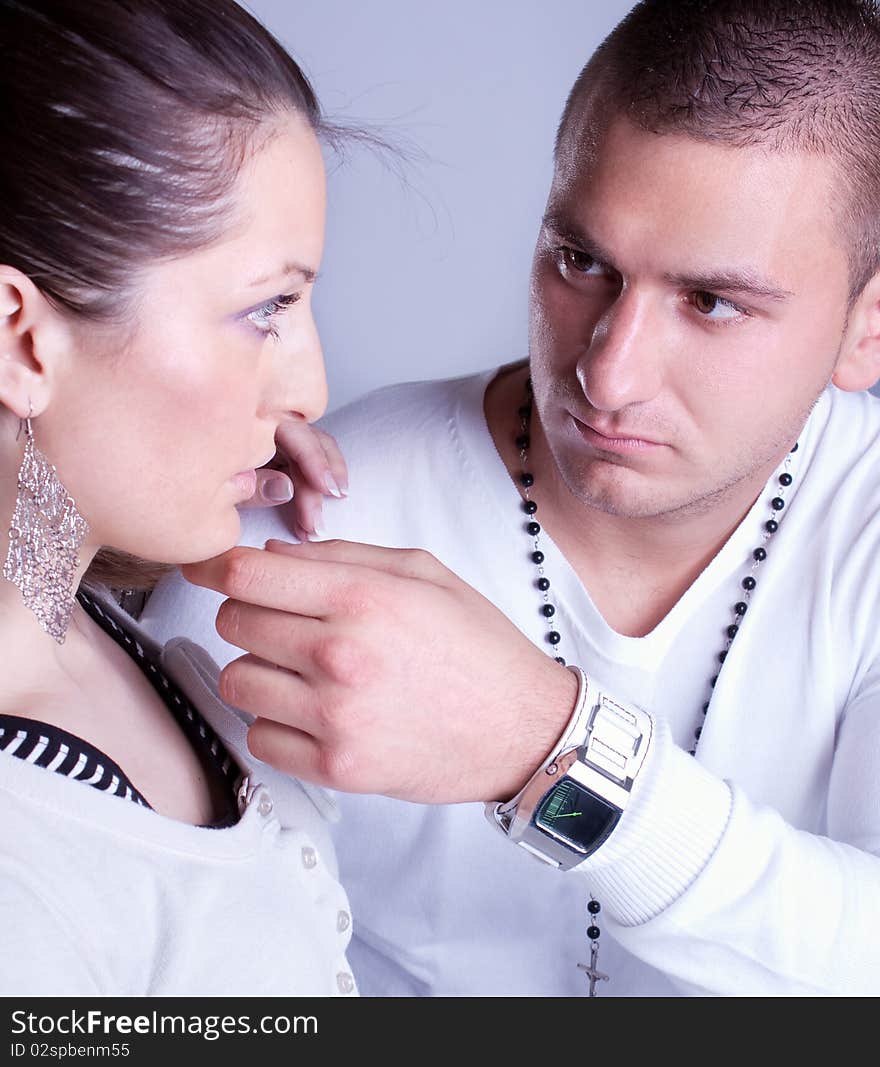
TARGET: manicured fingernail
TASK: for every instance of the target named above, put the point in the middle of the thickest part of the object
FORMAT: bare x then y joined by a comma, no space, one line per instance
332,485
299,533
278,490
319,525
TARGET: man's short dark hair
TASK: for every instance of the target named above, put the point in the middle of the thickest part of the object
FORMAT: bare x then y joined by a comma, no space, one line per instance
799,75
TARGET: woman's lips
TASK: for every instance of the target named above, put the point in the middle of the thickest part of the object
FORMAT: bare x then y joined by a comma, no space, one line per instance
611,443
246,480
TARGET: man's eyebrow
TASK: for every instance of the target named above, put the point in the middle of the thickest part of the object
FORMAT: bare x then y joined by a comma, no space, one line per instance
287,271
569,231
734,280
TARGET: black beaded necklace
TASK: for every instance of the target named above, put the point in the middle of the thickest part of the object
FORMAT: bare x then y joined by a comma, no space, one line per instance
553,637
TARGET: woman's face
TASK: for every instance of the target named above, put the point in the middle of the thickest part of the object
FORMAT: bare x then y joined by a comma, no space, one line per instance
157,439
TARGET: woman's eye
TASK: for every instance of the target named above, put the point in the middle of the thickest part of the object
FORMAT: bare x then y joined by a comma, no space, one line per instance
715,307
265,317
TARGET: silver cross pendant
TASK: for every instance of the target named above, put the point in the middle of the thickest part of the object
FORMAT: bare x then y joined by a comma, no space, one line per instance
591,971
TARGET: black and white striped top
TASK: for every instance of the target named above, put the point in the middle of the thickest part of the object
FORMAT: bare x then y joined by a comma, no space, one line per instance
57,750
48,746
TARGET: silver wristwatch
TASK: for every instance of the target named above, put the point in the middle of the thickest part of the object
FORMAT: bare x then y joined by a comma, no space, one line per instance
574,800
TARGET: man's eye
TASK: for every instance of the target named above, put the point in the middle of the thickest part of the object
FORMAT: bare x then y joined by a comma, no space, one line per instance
572,259
711,306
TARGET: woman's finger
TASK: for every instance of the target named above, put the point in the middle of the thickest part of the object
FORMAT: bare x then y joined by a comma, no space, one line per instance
307,507
335,461
306,449
274,487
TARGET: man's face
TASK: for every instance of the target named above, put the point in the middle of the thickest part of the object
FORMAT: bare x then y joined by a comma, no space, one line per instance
688,304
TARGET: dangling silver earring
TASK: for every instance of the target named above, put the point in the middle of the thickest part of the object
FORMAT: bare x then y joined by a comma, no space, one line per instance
44,539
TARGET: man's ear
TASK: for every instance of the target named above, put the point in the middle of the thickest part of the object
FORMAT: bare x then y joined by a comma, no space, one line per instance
31,339
858,364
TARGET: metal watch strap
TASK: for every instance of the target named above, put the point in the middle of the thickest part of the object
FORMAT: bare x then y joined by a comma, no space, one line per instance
602,748
502,813
616,746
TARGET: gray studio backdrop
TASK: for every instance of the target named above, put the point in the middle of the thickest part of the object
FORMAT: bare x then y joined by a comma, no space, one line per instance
426,265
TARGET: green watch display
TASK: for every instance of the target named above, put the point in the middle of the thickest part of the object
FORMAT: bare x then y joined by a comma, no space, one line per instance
576,816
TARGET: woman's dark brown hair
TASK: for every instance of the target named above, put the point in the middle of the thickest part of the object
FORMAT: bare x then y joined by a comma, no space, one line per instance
124,126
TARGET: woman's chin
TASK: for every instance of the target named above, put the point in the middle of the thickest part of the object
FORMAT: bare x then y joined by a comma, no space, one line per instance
191,541
224,535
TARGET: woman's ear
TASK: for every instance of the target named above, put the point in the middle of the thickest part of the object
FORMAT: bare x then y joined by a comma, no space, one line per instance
858,364
32,340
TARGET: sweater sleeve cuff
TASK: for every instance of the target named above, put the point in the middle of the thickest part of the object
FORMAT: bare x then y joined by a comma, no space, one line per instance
672,825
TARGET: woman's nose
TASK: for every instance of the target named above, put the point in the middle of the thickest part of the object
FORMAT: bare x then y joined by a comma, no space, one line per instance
305,380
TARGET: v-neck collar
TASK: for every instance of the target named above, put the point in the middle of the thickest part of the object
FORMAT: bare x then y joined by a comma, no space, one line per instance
499,497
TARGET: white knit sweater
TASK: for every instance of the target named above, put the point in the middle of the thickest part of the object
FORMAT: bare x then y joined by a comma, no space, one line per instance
101,897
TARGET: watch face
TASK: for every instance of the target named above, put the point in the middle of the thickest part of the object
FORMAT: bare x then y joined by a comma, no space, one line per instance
574,815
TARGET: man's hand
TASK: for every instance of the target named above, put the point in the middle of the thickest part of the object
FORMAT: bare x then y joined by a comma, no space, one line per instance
307,467
376,670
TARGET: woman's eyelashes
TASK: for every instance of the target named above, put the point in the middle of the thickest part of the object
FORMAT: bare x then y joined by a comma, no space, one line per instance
264,318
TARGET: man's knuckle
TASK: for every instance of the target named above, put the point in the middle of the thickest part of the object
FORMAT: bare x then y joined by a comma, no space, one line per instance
230,684
362,597
228,619
341,658
336,764
421,561
416,556
240,573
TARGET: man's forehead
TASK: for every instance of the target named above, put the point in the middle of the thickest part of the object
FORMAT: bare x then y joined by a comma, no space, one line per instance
696,210
577,150
677,169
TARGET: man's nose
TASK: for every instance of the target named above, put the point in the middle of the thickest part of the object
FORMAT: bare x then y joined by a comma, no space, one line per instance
621,362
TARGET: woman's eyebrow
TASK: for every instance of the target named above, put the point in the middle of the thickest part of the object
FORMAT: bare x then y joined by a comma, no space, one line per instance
287,271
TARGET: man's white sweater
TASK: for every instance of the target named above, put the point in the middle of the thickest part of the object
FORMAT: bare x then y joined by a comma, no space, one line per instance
750,869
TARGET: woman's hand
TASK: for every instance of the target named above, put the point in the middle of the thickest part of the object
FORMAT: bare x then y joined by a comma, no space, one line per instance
307,467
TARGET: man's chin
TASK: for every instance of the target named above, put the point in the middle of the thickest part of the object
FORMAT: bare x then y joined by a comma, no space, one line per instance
613,500
621,492
623,506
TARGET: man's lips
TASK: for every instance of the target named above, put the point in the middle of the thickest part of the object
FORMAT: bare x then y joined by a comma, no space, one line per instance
611,439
